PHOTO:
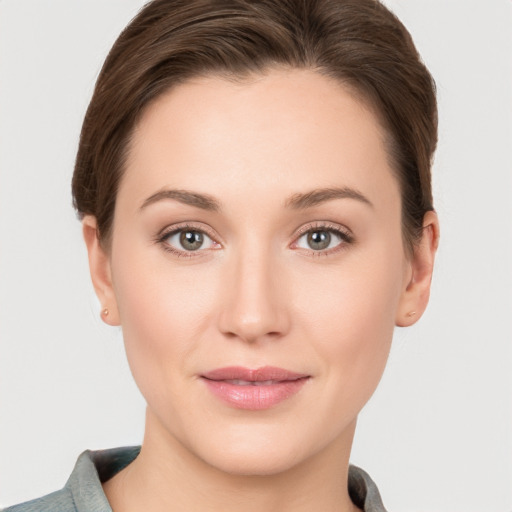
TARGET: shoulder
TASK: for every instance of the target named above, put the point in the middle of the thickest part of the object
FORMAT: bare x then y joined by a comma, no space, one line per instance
83,491
61,500
363,490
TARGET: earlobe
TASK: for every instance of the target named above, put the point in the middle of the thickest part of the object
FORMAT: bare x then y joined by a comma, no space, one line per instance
416,290
99,267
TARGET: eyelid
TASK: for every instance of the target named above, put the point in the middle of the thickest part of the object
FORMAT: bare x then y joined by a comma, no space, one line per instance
345,234
192,226
172,229
325,225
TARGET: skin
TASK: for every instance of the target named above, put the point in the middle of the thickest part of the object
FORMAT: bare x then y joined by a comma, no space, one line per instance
257,294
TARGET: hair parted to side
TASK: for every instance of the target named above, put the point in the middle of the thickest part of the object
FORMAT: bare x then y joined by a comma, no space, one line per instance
360,43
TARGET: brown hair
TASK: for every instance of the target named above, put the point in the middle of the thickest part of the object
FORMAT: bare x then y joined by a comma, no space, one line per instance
358,42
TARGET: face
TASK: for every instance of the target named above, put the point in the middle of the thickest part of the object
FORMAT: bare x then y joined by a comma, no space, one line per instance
257,267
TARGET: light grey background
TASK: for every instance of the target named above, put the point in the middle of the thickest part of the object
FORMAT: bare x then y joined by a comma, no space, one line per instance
437,435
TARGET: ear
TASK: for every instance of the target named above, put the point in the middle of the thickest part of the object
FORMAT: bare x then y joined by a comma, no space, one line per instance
420,266
101,275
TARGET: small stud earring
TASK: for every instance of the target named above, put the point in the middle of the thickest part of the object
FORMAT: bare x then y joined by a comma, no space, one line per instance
411,313
105,312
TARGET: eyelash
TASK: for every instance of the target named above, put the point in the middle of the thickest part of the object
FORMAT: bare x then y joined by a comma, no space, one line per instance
338,230
341,232
162,237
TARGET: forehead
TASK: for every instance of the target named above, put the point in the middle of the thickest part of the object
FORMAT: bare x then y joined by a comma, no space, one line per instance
282,132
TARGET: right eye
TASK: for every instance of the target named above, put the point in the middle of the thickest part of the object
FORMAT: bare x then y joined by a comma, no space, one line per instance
186,241
189,240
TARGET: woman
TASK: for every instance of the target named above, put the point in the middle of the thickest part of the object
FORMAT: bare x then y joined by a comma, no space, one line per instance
253,180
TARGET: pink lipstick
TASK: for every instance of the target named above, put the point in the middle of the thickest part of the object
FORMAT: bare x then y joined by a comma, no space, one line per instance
257,389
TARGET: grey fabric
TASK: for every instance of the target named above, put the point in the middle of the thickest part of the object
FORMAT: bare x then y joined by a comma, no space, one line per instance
83,491
363,491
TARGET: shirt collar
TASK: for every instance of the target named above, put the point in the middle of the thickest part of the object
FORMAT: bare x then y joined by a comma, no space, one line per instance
94,467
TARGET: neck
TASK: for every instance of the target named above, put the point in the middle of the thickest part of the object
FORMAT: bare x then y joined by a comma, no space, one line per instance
167,476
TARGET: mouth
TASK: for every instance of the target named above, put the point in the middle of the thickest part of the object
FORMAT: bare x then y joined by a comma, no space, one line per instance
254,389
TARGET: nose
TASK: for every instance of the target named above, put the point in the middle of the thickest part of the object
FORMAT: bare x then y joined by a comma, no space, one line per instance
253,305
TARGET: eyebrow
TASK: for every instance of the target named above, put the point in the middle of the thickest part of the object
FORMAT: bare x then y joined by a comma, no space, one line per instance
299,201
203,201
321,195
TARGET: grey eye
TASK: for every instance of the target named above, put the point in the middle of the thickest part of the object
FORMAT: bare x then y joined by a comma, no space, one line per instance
189,240
320,239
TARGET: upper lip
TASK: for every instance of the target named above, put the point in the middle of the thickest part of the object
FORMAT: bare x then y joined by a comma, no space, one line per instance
265,373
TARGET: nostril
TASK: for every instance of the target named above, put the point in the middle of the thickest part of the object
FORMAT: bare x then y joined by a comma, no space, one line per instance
251,304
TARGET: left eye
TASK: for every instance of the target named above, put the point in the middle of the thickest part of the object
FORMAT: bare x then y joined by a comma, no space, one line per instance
320,239
189,240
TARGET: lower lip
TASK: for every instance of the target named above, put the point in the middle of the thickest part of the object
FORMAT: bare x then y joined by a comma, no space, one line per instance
252,397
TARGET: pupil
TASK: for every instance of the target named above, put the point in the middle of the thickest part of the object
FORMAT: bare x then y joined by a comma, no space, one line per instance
319,240
191,240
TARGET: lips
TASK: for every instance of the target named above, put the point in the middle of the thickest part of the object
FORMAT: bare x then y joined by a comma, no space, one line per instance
253,389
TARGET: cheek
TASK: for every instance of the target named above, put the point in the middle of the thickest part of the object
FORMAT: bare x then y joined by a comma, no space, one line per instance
164,313
349,312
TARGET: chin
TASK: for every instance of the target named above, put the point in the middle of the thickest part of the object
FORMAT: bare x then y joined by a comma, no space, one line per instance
259,450
254,462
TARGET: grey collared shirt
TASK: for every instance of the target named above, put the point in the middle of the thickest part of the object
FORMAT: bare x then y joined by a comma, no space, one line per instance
83,491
